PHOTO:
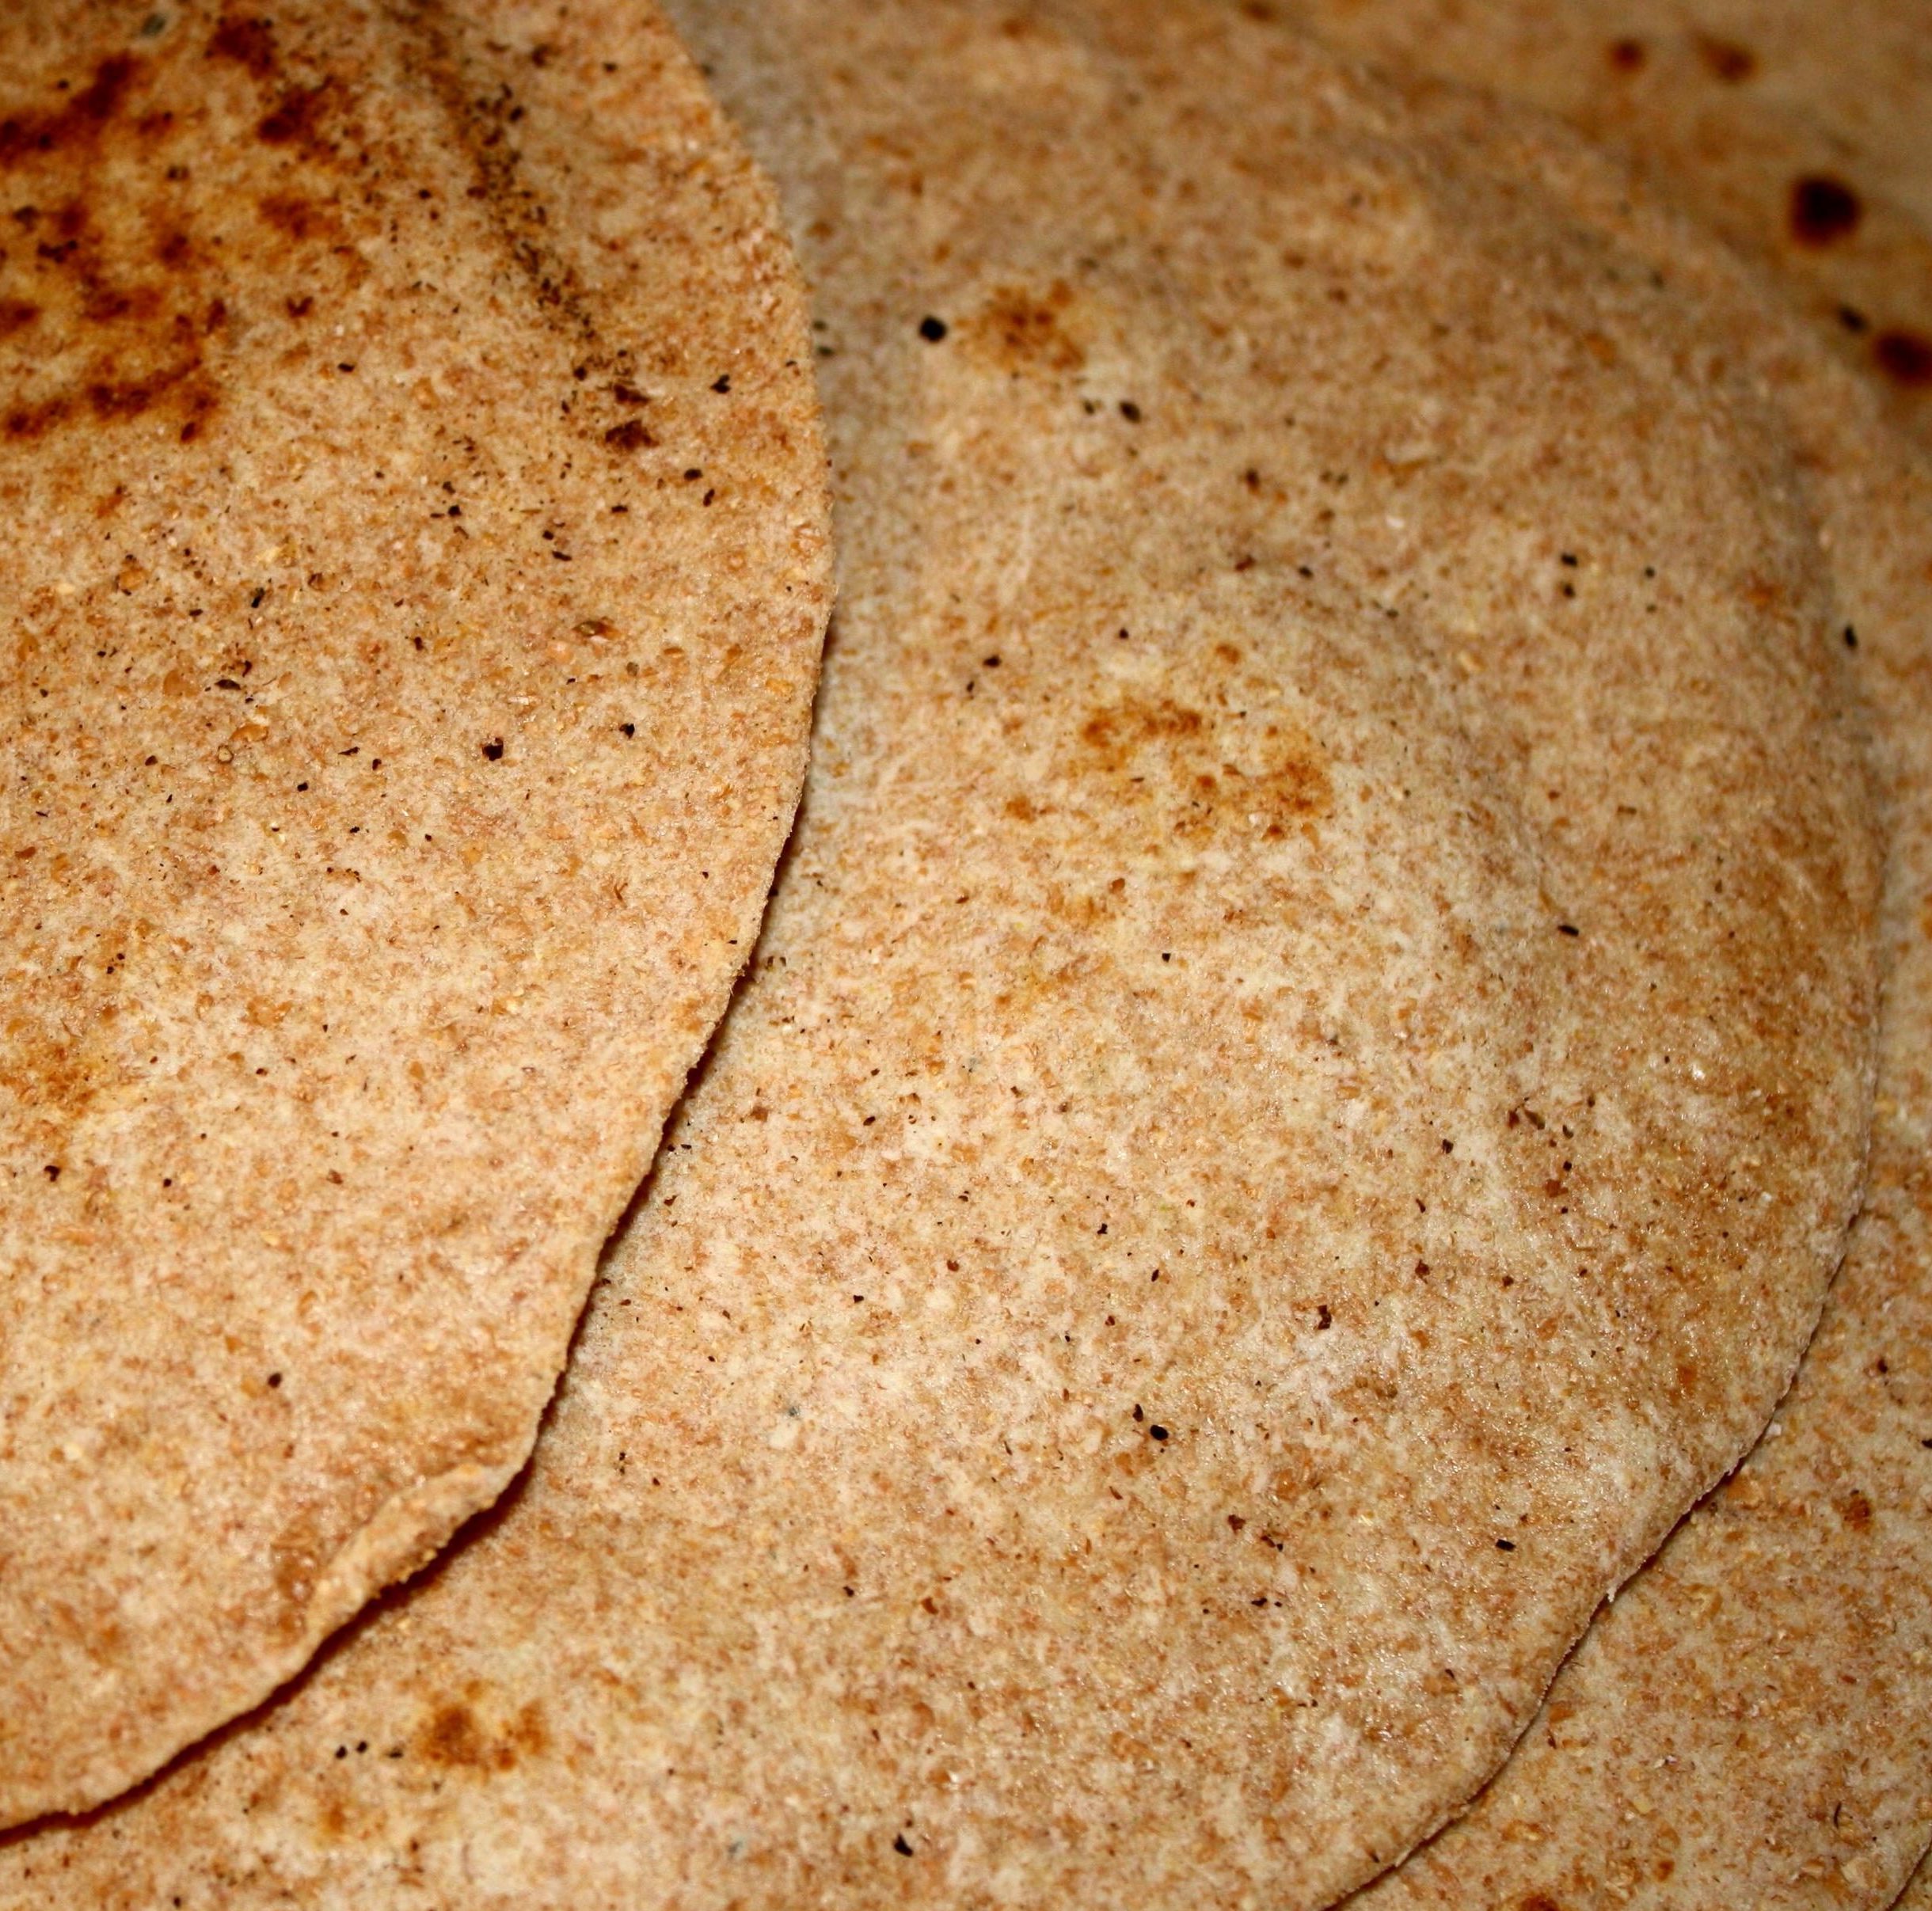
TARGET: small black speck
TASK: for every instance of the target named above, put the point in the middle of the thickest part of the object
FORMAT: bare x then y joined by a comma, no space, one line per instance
152,761
301,786
1157,1433
1130,411
1138,1414
1505,1545
1851,638
1323,1318
1448,1147
1167,955
932,329
493,750
991,663
254,602
1569,558
1567,929
347,365
1853,320
723,384
900,1845
342,1751
227,683
275,1380
53,1173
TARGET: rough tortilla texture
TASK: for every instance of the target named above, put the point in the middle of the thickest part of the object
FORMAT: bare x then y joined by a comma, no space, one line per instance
1304,1082
1750,1724
415,569
1917,1895
1798,130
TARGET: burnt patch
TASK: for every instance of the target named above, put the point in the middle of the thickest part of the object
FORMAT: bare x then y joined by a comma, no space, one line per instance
246,40
24,136
16,315
1626,56
1904,357
1725,59
296,119
1823,210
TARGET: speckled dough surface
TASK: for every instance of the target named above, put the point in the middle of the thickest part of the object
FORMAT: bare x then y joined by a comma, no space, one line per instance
413,578
1797,129
1750,1724
1305,1080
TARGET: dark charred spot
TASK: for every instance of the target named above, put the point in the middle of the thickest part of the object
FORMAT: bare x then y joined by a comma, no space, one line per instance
1724,59
1856,1512
299,308
1905,356
248,42
1627,55
493,750
294,118
1823,210
631,435
628,394
16,314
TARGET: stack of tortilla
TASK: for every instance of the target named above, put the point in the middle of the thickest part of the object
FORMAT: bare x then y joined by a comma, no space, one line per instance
1309,1068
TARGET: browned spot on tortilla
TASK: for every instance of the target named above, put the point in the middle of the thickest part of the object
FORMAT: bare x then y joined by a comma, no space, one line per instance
1627,55
295,119
1823,210
454,1737
1114,733
1288,786
299,218
1537,1900
1855,1510
1025,331
1725,59
16,314
249,42
23,135
1905,356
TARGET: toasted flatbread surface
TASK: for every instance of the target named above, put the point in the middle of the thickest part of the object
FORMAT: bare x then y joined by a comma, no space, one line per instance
1798,132
415,574
1303,1083
1751,1722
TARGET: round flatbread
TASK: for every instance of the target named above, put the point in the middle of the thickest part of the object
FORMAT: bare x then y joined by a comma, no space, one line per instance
1751,1722
1305,1080
415,575
1798,132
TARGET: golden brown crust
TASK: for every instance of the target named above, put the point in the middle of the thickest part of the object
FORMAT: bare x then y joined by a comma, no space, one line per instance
1183,1281
414,572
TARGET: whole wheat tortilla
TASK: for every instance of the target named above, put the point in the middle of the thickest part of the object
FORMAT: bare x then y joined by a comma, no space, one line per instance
414,576
1750,1724
1799,130
1297,1100
1917,1895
